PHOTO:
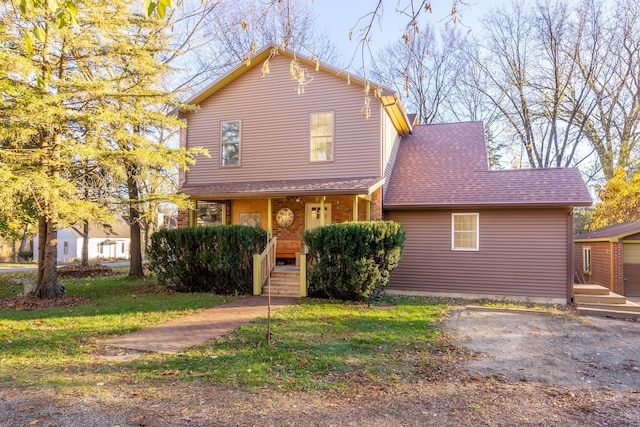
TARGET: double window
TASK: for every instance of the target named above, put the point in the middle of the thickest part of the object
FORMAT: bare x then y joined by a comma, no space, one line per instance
465,235
321,137
230,143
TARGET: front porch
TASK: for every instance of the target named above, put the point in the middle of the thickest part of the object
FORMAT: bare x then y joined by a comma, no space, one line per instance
285,210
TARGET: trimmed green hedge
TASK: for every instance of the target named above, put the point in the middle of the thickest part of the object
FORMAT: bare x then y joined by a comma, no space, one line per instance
207,259
352,260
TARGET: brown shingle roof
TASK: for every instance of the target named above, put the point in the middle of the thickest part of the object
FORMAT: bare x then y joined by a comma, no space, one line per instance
446,165
298,187
615,230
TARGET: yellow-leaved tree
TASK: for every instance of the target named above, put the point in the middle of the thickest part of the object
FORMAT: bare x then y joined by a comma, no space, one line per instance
620,200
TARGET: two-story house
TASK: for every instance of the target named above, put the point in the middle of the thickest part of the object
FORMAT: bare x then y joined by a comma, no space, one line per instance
289,155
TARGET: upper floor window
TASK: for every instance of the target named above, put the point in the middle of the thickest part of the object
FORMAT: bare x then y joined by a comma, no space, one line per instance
465,235
321,136
230,143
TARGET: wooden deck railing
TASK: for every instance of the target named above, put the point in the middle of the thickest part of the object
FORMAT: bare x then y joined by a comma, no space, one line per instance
263,264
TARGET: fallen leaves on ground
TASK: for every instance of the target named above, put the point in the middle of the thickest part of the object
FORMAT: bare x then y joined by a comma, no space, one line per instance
32,303
91,270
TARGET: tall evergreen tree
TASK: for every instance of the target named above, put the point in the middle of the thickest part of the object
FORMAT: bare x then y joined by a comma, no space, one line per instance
74,95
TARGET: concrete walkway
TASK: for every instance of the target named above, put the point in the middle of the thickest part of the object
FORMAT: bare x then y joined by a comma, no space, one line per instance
177,334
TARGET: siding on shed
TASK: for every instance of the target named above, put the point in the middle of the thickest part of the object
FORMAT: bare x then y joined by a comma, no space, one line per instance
601,262
276,125
523,252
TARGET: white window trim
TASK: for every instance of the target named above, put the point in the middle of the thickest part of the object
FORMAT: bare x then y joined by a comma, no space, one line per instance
586,268
333,136
239,144
453,240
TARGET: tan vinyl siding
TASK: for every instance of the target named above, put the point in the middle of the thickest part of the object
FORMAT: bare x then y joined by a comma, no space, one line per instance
523,252
276,130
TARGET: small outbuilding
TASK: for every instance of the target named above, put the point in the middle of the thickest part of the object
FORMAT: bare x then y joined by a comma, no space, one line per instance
610,257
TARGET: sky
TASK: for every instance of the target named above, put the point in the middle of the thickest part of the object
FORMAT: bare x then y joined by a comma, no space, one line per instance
338,17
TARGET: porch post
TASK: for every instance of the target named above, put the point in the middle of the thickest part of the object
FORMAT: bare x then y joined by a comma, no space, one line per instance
269,218
322,211
355,208
368,210
303,275
257,275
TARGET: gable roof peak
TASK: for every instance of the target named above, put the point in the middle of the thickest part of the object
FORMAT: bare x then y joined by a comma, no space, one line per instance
387,97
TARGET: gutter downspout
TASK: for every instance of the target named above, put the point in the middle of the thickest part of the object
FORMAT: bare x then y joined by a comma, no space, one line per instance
570,294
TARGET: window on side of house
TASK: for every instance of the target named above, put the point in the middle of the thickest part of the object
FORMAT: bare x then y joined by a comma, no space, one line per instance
586,260
209,213
465,232
321,137
65,248
230,143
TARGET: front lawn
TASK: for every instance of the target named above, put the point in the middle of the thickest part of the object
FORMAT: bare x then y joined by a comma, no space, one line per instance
316,344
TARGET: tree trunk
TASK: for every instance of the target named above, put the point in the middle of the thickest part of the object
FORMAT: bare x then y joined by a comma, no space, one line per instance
135,249
42,241
85,243
25,239
47,286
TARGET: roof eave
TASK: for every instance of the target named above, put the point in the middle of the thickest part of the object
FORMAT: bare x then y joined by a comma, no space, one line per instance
287,193
389,206
398,116
612,239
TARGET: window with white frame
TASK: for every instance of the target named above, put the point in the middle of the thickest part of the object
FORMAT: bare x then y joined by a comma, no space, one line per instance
65,248
230,143
321,137
209,213
586,260
465,233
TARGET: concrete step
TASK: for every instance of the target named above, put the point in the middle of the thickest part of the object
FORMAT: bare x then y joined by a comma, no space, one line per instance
285,281
628,307
281,290
611,298
285,274
609,313
590,290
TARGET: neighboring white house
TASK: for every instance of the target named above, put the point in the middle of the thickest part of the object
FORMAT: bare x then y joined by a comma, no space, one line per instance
111,242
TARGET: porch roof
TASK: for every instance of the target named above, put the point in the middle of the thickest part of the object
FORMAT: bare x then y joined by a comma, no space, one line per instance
296,187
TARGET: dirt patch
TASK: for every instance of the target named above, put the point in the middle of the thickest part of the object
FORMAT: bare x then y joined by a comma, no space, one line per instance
459,403
553,349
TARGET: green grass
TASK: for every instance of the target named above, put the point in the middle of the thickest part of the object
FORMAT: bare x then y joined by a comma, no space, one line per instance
317,344
49,343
